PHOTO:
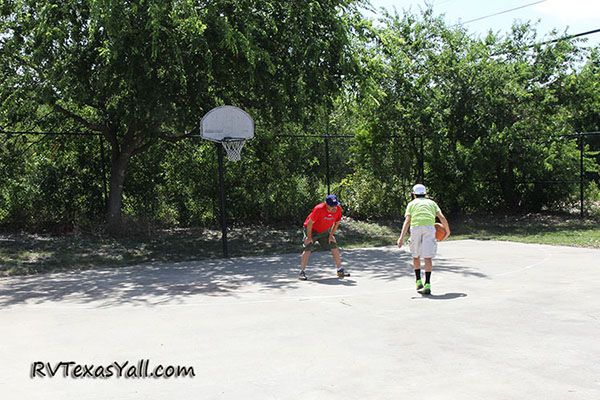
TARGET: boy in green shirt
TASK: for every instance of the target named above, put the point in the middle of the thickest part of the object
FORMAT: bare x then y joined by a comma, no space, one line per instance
420,217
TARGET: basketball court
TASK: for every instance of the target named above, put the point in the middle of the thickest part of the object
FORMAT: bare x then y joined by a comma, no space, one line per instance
505,320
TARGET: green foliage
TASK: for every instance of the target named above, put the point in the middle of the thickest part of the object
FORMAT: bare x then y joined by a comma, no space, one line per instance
488,115
141,71
368,197
592,197
479,121
56,181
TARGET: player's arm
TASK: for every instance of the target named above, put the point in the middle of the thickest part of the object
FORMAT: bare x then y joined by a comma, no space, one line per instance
332,231
444,221
309,226
405,227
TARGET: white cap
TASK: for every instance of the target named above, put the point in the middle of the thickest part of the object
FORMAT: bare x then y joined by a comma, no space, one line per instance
419,189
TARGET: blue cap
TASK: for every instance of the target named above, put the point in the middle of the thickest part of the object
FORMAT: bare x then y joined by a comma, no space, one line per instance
332,200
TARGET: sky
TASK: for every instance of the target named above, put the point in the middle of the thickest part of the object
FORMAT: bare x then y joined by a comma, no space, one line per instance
576,16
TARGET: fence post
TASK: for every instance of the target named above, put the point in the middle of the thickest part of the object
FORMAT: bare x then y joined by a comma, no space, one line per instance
327,163
422,161
103,171
581,174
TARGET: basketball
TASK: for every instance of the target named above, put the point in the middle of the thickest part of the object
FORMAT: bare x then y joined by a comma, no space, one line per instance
440,232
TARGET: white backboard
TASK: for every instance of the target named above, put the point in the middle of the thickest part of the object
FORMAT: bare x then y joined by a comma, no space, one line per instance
226,122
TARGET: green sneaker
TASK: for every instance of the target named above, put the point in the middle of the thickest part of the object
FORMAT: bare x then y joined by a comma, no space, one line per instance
426,289
419,284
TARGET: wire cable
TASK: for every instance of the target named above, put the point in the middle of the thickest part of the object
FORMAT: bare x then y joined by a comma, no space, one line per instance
502,12
567,37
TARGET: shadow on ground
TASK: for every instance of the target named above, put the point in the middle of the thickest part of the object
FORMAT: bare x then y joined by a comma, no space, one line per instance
167,283
445,296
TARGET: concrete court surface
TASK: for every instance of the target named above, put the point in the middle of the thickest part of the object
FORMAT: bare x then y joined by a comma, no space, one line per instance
505,321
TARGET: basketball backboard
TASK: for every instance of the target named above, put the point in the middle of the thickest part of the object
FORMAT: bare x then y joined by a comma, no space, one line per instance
226,122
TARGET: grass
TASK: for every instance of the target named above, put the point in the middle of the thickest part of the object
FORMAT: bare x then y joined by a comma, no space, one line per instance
24,253
534,228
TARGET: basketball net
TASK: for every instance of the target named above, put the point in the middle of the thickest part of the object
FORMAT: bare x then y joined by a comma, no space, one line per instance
233,147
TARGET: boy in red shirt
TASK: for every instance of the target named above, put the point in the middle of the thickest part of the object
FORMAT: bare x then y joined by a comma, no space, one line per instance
319,226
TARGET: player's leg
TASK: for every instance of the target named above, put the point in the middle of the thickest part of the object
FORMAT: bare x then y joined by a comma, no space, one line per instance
416,249
305,257
337,259
417,269
335,252
428,265
303,263
428,268
429,251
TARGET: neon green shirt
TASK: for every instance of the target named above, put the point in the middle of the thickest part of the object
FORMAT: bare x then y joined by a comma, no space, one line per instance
422,212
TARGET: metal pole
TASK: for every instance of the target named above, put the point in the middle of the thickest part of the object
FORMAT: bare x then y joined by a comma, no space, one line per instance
222,192
581,173
103,169
327,162
422,161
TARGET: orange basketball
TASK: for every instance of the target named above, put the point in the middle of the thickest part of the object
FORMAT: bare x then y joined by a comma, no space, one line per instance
440,232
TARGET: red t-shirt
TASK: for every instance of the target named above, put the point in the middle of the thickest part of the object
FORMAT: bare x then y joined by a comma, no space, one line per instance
323,219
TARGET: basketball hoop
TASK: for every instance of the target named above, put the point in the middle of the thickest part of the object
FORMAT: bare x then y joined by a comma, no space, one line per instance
233,147
230,126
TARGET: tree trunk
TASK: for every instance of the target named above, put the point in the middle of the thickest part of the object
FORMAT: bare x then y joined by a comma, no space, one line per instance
118,169
508,187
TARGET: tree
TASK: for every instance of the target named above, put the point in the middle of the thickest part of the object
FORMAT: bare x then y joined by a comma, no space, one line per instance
143,71
477,117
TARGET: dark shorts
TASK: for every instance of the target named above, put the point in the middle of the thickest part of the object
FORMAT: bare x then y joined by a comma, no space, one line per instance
320,241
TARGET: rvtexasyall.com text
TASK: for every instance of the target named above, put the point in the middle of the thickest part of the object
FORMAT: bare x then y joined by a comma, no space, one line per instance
142,369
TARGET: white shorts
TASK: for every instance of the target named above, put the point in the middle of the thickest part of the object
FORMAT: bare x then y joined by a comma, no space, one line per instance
422,241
